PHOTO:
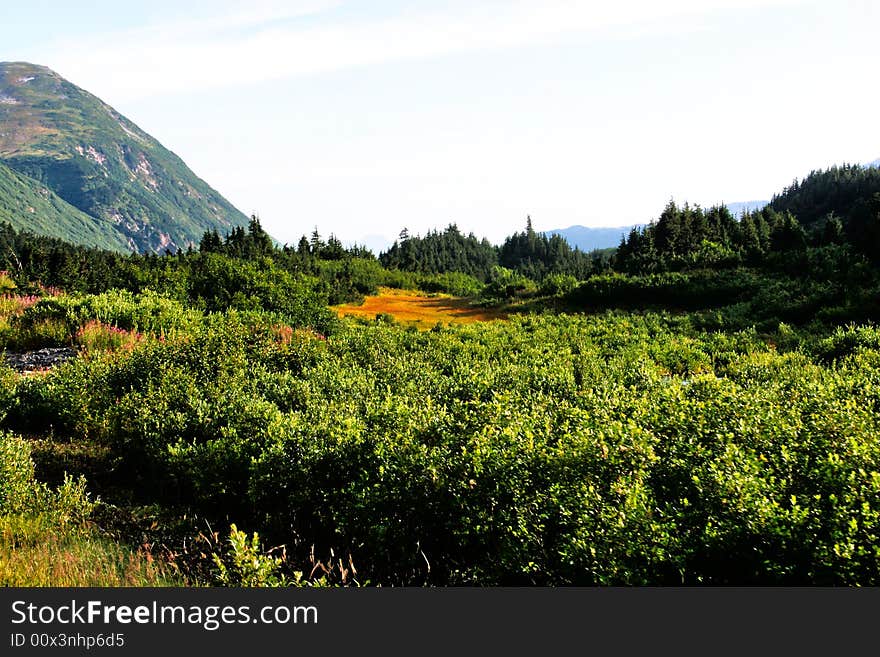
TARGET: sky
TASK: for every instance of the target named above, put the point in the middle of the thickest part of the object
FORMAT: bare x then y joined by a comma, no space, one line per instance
362,118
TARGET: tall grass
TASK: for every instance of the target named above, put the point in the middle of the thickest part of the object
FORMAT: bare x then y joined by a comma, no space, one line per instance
34,551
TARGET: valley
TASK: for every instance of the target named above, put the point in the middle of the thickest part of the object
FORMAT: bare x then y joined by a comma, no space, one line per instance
186,401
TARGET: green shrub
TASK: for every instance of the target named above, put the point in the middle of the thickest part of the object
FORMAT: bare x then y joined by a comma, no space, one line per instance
16,474
505,285
245,563
38,333
845,341
557,285
8,386
21,493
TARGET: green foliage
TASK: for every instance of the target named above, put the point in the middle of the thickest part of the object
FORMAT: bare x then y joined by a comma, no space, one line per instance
217,283
455,283
722,431
849,341
38,334
505,285
837,207
689,237
841,191
546,450
109,320
557,285
16,473
36,551
21,493
438,252
95,336
245,563
826,290
45,539
147,311
8,385
535,256
688,291
452,282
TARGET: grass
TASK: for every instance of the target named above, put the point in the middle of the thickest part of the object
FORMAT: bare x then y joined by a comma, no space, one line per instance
412,306
35,551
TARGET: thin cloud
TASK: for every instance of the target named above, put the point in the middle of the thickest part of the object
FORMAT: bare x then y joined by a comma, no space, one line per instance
268,43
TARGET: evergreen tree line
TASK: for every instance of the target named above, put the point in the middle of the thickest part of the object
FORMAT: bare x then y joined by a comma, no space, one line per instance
846,192
255,242
528,253
222,269
239,262
837,207
690,237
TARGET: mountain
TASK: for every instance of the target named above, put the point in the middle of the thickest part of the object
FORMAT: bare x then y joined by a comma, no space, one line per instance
29,206
95,159
590,239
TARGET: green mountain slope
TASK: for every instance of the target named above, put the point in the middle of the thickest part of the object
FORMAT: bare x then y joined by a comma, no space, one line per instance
100,162
29,206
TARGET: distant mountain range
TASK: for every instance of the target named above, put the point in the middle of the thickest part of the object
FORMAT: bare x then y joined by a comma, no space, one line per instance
77,169
590,239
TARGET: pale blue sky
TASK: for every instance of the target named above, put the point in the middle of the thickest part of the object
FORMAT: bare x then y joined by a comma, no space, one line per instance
364,117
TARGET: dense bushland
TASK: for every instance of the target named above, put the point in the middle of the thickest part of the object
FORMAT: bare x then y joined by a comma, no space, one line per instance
551,450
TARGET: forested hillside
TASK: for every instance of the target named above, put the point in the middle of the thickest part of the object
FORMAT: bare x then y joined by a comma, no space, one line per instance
848,192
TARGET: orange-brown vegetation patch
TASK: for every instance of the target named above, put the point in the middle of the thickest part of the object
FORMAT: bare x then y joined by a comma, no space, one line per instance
410,306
